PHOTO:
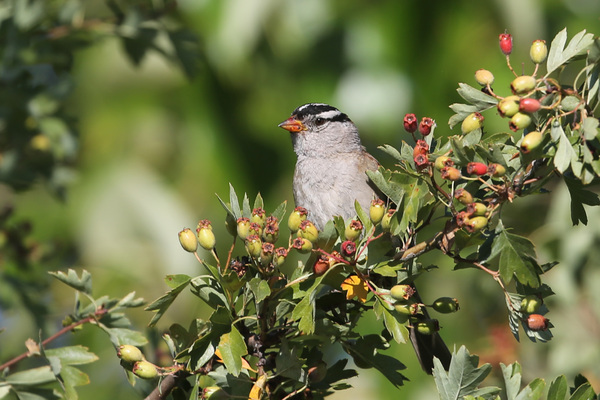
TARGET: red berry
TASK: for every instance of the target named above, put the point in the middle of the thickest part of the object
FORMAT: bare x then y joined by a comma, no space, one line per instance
476,168
322,265
529,105
537,322
410,123
348,249
420,148
506,43
426,125
421,161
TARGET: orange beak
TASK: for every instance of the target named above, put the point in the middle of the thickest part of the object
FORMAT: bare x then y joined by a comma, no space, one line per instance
292,125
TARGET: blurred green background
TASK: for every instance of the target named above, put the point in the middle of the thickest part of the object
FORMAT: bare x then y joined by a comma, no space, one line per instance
155,147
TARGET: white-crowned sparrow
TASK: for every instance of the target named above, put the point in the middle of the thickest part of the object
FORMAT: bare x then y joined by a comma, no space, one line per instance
330,175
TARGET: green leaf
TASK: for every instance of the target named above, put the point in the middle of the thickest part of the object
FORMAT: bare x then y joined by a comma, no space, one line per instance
305,313
381,177
395,327
584,392
416,190
463,377
558,389
364,351
164,302
516,257
564,152
30,377
72,355
83,284
579,197
120,336
234,204
232,347
258,202
476,97
559,55
512,379
288,363
280,211
260,288
462,111
590,128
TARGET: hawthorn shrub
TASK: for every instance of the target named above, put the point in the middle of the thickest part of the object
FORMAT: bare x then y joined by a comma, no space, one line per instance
274,319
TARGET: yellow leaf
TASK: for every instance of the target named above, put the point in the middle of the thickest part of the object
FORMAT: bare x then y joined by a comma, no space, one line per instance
355,287
258,388
245,363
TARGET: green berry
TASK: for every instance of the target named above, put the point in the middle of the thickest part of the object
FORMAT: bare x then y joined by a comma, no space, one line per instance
472,122
531,304
463,196
258,216
253,246
188,240
484,77
129,353
353,230
243,227
538,51
450,174
428,326
280,256
271,232
402,292
496,170
407,309
302,245
445,305
296,217
145,370
205,235
476,209
531,141
475,224
387,219
443,161
214,393
519,121
522,84
309,231
376,211
508,106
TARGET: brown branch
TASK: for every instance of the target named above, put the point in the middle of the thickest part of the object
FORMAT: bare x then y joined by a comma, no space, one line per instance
167,384
64,330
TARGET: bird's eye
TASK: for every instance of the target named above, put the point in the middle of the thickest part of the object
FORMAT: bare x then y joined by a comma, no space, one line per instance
319,121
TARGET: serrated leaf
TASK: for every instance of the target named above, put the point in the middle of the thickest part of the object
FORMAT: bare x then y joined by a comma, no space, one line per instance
396,328
416,190
564,151
463,377
512,379
559,55
288,363
516,257
304,313
234,204
579,197
381,177
280,211
476,97
161,304
232,348
533,391
558,389
130,301
260,288
83,284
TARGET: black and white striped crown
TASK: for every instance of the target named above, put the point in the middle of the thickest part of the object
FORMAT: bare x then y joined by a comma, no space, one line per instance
320,110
